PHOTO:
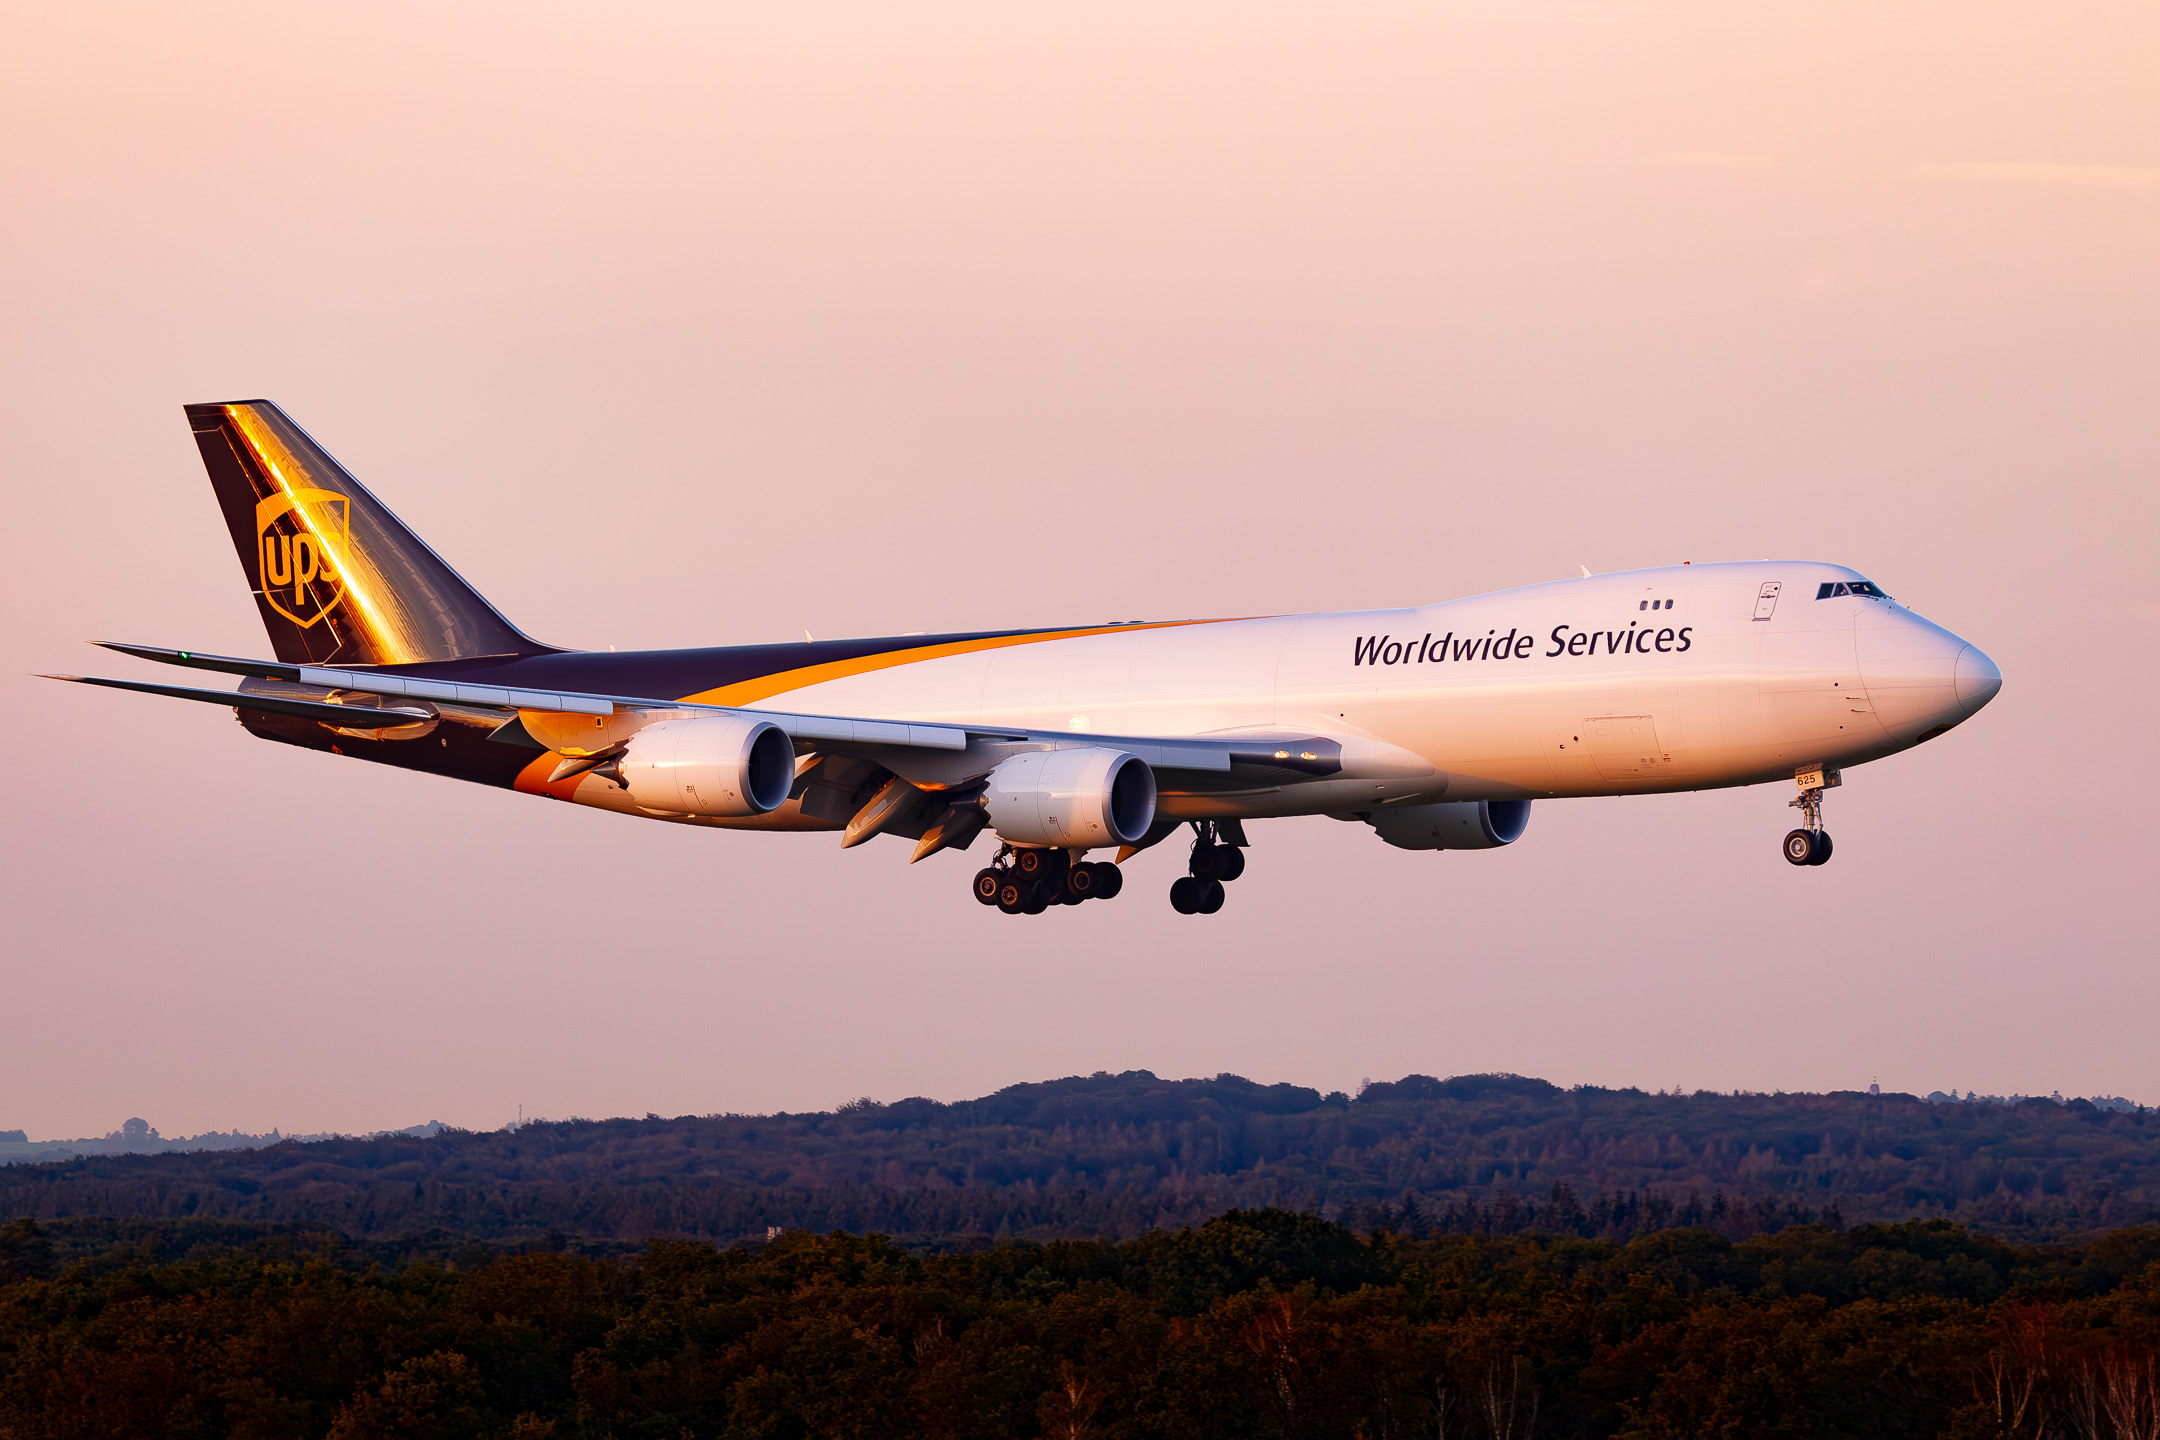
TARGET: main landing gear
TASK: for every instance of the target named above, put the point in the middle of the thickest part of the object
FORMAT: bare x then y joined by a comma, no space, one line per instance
1213,863
1810,844
1028,882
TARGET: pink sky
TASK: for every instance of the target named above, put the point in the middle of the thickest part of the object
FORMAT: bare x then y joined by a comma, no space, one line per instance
722,322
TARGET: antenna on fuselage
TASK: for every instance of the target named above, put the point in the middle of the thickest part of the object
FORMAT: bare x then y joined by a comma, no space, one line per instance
1585,571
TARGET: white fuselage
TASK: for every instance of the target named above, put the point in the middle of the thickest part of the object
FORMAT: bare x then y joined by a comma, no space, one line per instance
1717,685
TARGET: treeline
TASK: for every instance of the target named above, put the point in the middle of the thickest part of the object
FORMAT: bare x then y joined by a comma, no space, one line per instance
1118,1156
1260,1323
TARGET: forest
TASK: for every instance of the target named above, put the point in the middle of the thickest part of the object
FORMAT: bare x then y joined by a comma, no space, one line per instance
1257,1323
1118,1157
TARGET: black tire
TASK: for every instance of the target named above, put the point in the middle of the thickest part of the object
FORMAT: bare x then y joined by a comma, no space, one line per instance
1185,894
1109,879
1012,896
1206,862
1822,848
1229,863
1211,897
1042,865
1080,884
1039,901
987,883
1800,847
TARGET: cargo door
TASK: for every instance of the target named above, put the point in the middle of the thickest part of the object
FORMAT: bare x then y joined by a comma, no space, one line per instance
1625,747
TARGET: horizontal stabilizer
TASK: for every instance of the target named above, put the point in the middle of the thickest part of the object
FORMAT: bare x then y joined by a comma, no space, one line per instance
345,717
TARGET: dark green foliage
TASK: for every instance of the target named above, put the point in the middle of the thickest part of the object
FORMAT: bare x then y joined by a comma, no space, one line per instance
1118,1156
1260,1323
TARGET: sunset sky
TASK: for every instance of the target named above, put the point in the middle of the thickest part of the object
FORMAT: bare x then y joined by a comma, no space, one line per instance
704,323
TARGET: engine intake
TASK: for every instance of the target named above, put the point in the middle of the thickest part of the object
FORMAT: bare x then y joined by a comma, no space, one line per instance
1075,799
1454,824
709,765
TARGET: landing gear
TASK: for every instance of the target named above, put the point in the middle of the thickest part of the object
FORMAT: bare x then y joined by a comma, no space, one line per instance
1211,861
1028,882
1190,895
1013,897
1217,857
1098,880
1810,845
1044,865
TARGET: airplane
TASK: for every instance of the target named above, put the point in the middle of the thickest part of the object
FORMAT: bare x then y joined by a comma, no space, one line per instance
1434,726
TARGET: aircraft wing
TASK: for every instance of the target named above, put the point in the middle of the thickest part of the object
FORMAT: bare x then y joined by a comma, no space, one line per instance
1312,755
349,717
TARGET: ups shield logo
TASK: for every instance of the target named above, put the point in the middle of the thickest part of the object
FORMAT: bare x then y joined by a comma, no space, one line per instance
302,539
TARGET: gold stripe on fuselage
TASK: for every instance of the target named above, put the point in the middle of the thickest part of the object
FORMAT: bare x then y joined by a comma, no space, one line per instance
764,687
533,778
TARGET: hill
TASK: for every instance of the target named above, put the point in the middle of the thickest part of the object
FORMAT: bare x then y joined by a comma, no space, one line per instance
1116,1156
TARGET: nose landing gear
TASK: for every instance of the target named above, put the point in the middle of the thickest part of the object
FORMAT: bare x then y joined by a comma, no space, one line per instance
1810,845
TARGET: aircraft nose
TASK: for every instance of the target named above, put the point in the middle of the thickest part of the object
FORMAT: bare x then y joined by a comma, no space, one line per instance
1915,672
1978,678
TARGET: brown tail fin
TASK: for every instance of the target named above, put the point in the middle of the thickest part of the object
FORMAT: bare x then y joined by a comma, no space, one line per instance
340,580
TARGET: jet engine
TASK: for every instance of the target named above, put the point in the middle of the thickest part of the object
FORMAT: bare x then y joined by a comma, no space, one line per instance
1072,799
709,765
1454,824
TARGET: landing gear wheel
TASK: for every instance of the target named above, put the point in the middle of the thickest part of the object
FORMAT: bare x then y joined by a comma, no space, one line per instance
1040,864
1229,863
1080,884
1038,902
1108,880
1211,897
987,883
1012,896
1186,893
1206,862
1811,845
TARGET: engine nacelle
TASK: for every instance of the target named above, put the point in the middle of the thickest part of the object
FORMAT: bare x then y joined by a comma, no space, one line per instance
1454,824
709,765
1074,799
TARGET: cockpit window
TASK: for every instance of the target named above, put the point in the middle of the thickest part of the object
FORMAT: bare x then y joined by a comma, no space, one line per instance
1868,588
